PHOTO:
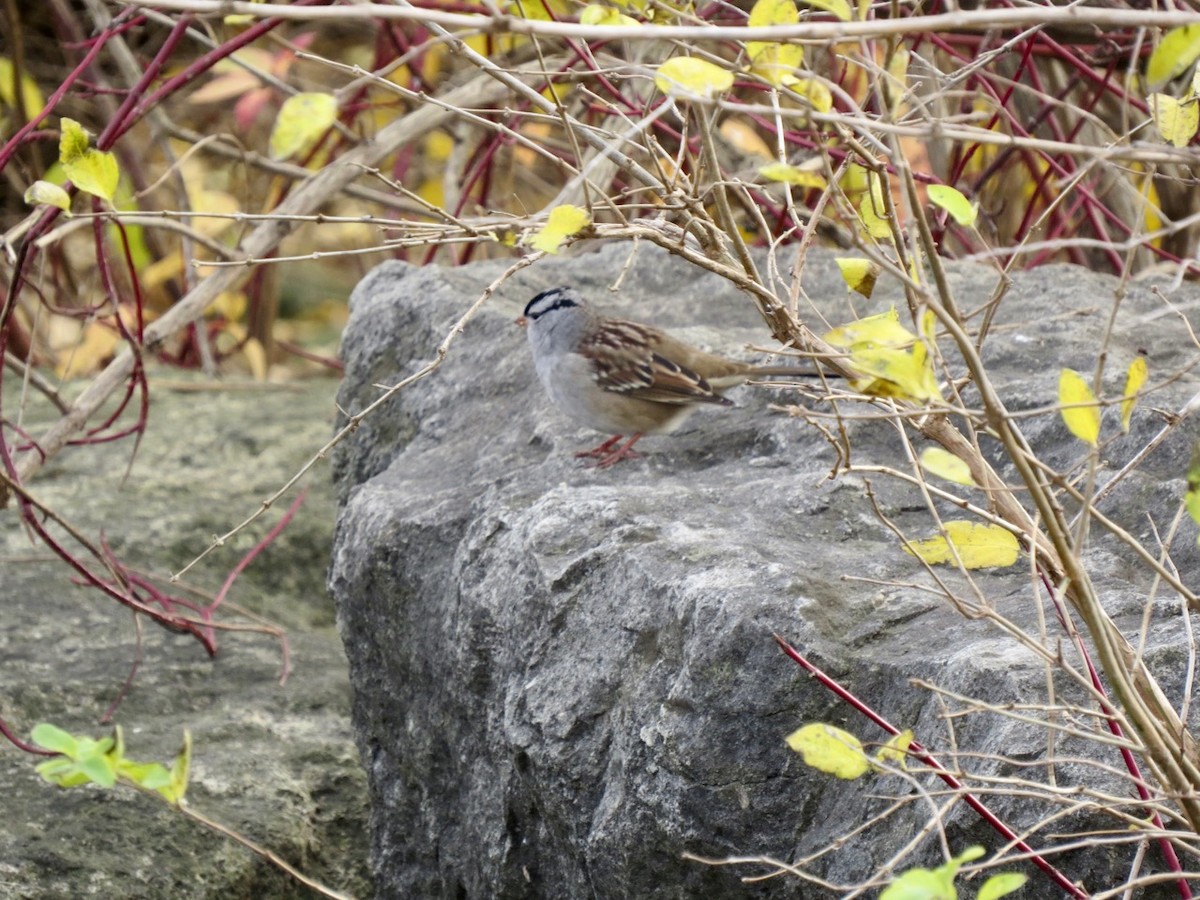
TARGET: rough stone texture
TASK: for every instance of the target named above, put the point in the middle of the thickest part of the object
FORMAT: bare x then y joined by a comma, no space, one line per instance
276,763
564,678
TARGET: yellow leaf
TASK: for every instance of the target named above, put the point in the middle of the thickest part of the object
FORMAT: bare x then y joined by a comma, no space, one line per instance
1179,48
895,751
30,94
685,76
92,171
860,274
302,120
840,8
830,750
882,329
979,546
778,171
952,201
1134,379
1176,121
774,62
872,209
773,12
1083,421
564,221
905,374
595,14
814,91
45,193
945,464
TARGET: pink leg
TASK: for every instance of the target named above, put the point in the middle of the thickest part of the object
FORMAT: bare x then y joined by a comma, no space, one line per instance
602,450
615,456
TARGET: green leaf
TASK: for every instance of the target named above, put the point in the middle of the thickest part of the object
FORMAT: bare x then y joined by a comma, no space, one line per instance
150,776
686,76
1083,421
1179,48
999,885
100,769
302,120
54,738
830,750
952,201
918,884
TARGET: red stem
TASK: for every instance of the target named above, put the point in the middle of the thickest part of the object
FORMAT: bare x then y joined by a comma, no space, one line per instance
924,756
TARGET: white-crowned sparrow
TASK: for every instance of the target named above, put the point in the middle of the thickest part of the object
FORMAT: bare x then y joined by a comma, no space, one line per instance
622,377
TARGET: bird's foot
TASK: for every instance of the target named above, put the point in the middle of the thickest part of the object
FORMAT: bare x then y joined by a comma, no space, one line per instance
609,454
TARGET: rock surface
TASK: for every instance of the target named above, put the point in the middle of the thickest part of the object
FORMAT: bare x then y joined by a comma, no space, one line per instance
276,763
564,678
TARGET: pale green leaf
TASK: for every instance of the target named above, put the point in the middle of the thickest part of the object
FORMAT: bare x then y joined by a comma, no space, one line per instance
46,194
54,738
945,464
952,201
999,885
918,884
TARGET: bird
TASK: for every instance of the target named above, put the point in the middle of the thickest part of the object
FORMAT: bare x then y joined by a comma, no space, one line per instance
625,378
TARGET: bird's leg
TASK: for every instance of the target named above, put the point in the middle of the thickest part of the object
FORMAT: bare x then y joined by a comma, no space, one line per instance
612,457
601,450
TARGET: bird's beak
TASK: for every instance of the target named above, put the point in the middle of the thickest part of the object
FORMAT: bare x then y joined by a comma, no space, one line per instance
522,321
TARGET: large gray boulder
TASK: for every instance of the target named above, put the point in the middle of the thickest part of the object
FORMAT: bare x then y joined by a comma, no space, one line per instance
564,678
